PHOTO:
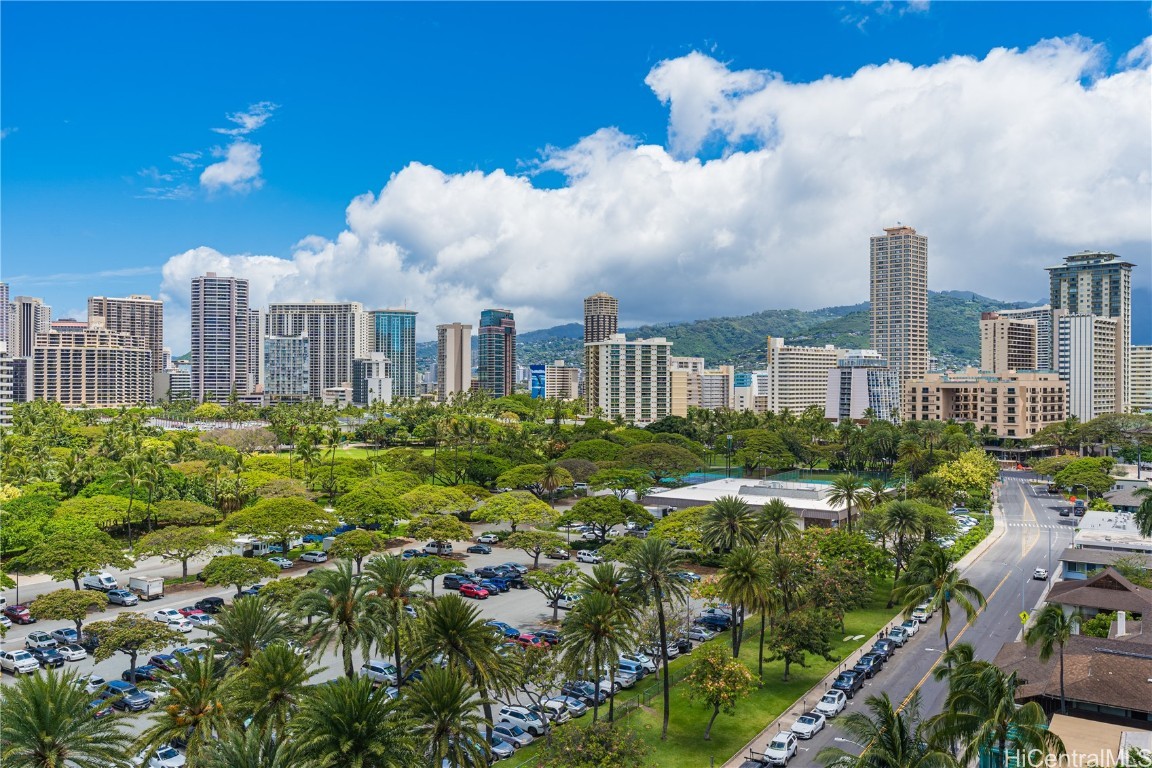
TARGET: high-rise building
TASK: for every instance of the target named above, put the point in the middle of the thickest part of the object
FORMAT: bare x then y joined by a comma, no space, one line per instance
287,369
372,379
1141,381
30,317
557,381
899,300
862,385
496,352
1015,405
337,334
5,380
796,378
1045,318
395,336
5,316
453,359
220,345
256,331
695,386
1087,358
1098,283
601,316
141,317
631,378
1007,343
94,368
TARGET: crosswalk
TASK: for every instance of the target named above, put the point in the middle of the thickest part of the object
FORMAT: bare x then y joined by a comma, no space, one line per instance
1041,526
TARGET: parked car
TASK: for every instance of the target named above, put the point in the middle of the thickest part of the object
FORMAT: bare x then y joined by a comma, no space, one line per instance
523,717
1040,574
558,554
550,636
165,662
556,712
99,709
18,662
313,538
201,620
584,691
911,626
500,749
47,657
125,696
438,548
5,621
468,589
832,703
688,576
314,556
92,683
715,622
283,562
507,630
849,682
567,601
147,673
869,665
189,611
454,581
781,749
166,615
19,614
379,672
642,659
73,652
516,568
700,634
65,635
490,572
251,591
166,757
588,556
181,625
487,538
479,549
808,725
921,614
513,734
887,647
898,636
99,581
633,668
210,604
40,639
494,586
576,707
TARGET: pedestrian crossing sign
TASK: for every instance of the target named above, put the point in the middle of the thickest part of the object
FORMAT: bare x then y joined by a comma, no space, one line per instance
1023,617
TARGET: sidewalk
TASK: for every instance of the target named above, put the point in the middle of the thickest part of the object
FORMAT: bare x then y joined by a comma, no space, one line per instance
805,703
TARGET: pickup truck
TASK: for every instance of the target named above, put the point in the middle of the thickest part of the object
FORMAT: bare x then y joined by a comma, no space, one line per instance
147,587
848,682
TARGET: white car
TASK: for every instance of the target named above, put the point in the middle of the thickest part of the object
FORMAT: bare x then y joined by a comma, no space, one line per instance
92,683
283,562
911,627
18,662
314,556
40,639
642,659
590,536
167,615
808,725
181,624
523,717
165,757
72,652
1040,574
567,601
201,620
781,749
5,622
921,614
588,556
379,671
832,703
487,538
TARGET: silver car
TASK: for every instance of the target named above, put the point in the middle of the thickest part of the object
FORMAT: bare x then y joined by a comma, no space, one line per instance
513,734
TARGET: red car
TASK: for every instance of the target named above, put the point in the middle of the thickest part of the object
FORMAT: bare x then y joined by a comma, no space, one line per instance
189,611
19,614
473,590
527,639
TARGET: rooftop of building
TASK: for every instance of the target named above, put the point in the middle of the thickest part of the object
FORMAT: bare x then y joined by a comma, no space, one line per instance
1108,590
1110,530
975,375
798,495
1091,556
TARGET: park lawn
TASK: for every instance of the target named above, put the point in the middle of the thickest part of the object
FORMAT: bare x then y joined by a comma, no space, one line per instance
685,747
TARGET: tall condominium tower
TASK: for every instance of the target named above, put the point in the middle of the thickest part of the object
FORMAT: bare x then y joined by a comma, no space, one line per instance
141,317
1046,319
1087,357
29,317
1099,283
1141,382
601,315
899,295
453,359
395,336
338,333
1007,343
496,352
632,378
220,327
93,367
5,315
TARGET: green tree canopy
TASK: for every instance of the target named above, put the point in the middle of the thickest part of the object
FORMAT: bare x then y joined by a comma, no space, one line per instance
238,571
181,544
553,583
282,520
535,543
356,545
182,512
70,548
68,605
430,500
131,634
719,681
517,508
603,512
439,528
660,460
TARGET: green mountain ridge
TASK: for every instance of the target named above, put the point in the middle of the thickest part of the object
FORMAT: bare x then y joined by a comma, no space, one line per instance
953,333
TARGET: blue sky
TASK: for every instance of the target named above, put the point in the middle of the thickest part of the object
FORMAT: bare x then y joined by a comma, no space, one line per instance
512,111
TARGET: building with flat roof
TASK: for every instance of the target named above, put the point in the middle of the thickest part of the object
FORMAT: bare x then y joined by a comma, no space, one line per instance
94,368
5,382
338,333
1140,368
395,336
139,316
796,378
220,345
372,380
496,352
453,360
1087,358
807,500
30,316
1007,343
1045,318
1015,405
631,378
601,316
899,300
862,386
695,386
287,369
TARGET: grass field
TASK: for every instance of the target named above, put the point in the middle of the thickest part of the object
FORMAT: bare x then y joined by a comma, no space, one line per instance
686,748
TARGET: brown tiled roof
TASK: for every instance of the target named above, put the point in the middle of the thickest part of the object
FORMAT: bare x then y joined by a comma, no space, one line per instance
1106,591
1111,673
1102,556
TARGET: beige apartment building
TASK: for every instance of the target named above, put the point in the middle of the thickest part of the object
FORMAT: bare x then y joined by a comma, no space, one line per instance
695,386
795,378
1141,361
899,301
453,359
1015,405
1088,356
1007,343
140,317
631,378
561,382
93,367
601,316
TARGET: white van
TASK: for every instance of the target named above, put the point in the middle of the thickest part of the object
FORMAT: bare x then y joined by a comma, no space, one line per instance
438,548
101,581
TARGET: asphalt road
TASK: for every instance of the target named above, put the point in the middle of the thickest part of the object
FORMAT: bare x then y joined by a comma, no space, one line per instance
1003,573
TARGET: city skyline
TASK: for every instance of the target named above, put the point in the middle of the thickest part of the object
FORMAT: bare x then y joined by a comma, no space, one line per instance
690,111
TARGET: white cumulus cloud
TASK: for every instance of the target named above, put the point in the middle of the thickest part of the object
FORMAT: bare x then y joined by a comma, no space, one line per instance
239,171
764,197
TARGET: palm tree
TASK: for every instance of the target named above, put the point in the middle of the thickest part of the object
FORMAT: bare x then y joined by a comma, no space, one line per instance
955,662
251,748
893,738
651,571
982,715
443,703
875,494
337,603
271,688
192,708
392,581
598,629
350,723
456,631
901,521
1143,514
728,523
846,491
248,625
550,479
777,523
1052,629
130,476
932,579
47,723
745,580
605,578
